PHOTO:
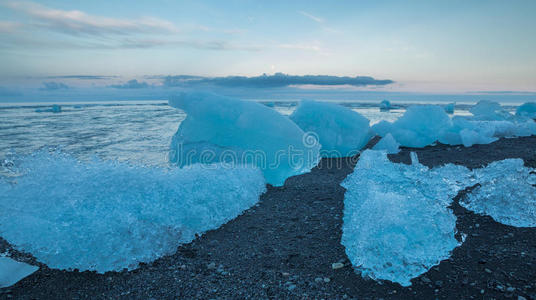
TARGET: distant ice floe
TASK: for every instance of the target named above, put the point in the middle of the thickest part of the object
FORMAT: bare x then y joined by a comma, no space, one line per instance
397,223
223,129
12,271
341,131
106,216
423,125
507,193
385,105
55,109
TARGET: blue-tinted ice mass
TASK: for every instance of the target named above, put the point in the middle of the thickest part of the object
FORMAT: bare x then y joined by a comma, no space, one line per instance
388,143
396,223
223,129
11,271
449,108
423,125
527,110
341,131
106,216
506,192
385,105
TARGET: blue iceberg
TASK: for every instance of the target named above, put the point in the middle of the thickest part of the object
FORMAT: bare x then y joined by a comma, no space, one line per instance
235,132
106,216
341,131
421,125
527,110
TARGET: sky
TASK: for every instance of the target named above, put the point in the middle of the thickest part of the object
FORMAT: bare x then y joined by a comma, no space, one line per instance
81,50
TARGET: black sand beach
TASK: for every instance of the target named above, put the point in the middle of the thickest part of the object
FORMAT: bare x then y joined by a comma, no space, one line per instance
286,245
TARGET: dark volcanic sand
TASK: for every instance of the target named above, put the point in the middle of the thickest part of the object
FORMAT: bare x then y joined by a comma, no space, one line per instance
285,246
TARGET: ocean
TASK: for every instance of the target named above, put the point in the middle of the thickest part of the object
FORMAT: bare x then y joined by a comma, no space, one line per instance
136,131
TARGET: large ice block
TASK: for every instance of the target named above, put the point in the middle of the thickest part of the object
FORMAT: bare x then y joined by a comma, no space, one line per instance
223,129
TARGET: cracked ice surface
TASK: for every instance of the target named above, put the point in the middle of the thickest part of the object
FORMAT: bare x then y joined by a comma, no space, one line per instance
106,216
396,221
507,193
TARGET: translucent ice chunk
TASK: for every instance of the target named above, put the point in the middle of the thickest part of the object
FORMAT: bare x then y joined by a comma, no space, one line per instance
341,131
421,125
12,271
222,129
488,110
106,216
527,110
506,193
385,105
389,144
449,108
396,221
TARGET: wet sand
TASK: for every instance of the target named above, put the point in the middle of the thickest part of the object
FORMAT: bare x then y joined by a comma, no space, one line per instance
285,246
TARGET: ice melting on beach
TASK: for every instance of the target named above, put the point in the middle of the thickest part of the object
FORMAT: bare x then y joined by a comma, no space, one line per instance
222,129
12,271
106,216
396,221
527,110
341,131
389,144
506,192
421,125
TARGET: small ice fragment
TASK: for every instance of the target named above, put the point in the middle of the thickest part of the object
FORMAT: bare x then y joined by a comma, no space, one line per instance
389,144
12,271
385,105
506,193
449,108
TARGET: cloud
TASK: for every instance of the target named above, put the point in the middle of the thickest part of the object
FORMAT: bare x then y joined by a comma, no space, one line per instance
77,22
83,77
8,26
98,32
201,45
131,84
312,17
503,92
273,81
53,86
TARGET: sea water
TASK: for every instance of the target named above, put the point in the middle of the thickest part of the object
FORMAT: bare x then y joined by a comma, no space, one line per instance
136,131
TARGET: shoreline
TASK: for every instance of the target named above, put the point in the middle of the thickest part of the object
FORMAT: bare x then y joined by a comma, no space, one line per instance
284,247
